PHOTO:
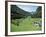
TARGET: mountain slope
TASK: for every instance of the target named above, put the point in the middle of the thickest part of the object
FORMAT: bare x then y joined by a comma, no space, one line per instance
17,13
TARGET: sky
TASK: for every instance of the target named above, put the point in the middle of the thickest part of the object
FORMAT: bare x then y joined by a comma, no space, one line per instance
28,8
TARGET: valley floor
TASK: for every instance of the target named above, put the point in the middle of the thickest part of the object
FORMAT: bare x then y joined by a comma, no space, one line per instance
26,24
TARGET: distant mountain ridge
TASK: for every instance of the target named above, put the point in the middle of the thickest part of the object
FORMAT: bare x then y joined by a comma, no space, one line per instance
16,12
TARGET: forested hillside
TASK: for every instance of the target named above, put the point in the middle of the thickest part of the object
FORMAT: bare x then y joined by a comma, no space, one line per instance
18,13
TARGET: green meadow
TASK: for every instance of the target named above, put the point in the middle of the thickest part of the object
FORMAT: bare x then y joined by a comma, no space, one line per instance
25,24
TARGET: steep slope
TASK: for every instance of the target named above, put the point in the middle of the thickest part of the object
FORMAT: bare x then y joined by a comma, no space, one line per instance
17,13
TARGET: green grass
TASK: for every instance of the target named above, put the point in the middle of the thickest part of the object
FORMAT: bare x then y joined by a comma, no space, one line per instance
25,25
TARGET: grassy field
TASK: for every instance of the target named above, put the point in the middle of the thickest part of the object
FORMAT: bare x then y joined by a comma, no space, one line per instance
26,24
